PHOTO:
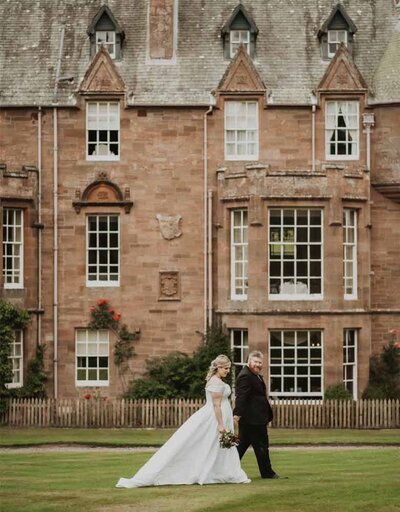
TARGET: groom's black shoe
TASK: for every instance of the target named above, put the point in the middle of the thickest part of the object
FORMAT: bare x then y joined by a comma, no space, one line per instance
275,476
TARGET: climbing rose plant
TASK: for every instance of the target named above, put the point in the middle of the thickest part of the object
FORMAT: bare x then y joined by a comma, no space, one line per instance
103,316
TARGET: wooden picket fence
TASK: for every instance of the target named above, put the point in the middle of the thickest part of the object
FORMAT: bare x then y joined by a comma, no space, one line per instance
96,413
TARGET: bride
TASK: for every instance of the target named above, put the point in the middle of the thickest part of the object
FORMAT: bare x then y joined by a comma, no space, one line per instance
193,455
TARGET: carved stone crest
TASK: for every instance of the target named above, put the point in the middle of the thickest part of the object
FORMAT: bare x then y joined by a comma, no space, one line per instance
169,285
169,226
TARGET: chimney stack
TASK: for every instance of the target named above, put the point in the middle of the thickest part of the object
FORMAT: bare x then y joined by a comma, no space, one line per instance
161,29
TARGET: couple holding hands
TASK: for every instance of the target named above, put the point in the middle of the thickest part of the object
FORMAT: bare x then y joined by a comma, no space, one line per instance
193,455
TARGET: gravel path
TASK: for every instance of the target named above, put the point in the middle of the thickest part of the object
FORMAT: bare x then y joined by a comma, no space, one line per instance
126,449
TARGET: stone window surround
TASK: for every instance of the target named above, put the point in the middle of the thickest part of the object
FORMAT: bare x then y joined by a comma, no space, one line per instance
86,348
312,365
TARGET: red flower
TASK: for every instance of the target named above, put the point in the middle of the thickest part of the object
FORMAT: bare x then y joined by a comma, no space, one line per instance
117,316
87,396
105,398
102,302
397,345
393,332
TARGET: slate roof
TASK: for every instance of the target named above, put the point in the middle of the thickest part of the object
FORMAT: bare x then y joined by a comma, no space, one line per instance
287,51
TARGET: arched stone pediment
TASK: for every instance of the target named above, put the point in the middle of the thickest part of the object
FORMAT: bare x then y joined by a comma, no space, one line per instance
102,192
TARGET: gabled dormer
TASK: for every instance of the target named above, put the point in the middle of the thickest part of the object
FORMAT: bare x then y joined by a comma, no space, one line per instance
239,29
337,29
105,30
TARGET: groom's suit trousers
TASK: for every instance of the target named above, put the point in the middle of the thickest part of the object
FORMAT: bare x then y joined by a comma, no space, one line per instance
257,437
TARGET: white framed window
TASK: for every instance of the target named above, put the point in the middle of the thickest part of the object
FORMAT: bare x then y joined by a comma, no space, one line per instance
335,38
295,254
238,37
296,363
107,38
241,130
103,130
239,254
240,348
350,253
102,250
350,361
17,359
13,247
92,357
342,130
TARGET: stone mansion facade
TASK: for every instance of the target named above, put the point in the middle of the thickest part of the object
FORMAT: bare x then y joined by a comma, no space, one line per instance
192,160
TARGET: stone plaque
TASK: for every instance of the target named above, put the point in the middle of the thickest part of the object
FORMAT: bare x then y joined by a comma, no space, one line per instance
169,285
169,226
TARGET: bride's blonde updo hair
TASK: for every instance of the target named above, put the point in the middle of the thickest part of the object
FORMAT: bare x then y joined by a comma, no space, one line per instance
219,362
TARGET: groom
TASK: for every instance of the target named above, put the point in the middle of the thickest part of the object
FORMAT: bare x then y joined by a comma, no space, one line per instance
253,411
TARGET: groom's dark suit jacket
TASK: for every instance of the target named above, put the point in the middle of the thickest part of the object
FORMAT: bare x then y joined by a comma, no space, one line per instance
252,404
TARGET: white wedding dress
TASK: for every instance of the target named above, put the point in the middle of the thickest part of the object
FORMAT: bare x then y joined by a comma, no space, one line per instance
193,455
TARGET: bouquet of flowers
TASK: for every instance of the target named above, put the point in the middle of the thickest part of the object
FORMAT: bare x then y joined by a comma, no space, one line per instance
228,439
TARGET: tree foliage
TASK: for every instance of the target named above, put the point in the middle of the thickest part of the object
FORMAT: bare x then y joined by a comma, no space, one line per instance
384,373
178,375
11,318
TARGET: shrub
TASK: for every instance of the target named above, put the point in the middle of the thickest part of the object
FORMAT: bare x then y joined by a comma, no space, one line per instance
178,375
337,392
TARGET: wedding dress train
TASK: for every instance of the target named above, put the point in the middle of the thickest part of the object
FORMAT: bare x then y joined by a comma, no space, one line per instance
193,455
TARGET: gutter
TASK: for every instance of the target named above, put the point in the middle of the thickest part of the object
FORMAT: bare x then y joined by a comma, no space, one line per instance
206,320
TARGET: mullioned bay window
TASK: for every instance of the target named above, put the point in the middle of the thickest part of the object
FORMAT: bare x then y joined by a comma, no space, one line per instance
295,254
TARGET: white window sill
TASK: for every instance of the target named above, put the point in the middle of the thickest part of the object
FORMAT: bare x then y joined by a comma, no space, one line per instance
102,284
350,297
105,158
14,385
292,297
241,158
241,298
16,286
91,383
344,158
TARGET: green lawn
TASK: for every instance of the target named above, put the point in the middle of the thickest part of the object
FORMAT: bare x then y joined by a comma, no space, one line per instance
11,436
333,480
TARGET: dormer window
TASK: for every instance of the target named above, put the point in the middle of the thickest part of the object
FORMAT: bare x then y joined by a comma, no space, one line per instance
107,38
238,37
239,29
105,30
337,29
335,38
